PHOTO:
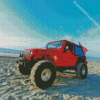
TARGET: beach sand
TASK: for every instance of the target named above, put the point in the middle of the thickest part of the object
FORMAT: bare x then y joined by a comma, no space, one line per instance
14,86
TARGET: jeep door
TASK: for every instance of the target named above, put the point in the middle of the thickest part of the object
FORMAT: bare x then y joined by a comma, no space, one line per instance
68,55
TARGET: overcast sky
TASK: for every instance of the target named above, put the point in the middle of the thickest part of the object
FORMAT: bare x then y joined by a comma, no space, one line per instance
33,23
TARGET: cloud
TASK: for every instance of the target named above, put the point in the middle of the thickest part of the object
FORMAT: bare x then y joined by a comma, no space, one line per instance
91,33
20,43
14,36
91,40
66,37
11,25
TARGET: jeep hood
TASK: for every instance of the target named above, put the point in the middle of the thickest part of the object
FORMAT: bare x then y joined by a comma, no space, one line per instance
44,50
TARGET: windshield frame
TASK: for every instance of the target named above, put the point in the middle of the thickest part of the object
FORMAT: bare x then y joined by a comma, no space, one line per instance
56,44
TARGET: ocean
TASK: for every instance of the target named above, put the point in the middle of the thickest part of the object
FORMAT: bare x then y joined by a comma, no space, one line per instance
9,51
17,52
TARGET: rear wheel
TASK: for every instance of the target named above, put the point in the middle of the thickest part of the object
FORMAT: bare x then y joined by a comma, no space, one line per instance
43,74
23,70
81,71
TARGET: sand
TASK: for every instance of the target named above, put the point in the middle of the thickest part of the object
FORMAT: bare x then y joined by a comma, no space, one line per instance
14,86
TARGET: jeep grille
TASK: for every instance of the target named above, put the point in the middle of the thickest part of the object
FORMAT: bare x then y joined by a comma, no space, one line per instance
26,53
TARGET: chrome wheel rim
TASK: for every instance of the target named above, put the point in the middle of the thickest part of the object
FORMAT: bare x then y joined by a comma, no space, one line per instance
46,74
83,71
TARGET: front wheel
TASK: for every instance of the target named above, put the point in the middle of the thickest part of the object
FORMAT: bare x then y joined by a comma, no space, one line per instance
81,71
43,74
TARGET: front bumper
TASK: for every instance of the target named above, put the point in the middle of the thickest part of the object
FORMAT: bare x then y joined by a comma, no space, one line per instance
26,63
21,61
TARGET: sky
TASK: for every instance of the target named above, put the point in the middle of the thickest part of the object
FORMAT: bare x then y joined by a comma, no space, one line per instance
33,23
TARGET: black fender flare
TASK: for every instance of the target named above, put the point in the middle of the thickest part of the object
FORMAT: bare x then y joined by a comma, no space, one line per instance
80,59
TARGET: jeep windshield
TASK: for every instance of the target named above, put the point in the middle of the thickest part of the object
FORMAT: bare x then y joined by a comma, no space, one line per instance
54,45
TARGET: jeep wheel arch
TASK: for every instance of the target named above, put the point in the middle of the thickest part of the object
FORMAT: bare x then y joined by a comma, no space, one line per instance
79,60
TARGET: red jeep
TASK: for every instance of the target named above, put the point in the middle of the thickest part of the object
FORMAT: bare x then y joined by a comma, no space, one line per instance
41,64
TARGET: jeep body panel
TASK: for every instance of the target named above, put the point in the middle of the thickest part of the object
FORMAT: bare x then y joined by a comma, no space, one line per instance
58,56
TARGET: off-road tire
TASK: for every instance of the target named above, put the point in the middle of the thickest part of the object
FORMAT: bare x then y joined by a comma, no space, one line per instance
36,73
23,70
79,69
